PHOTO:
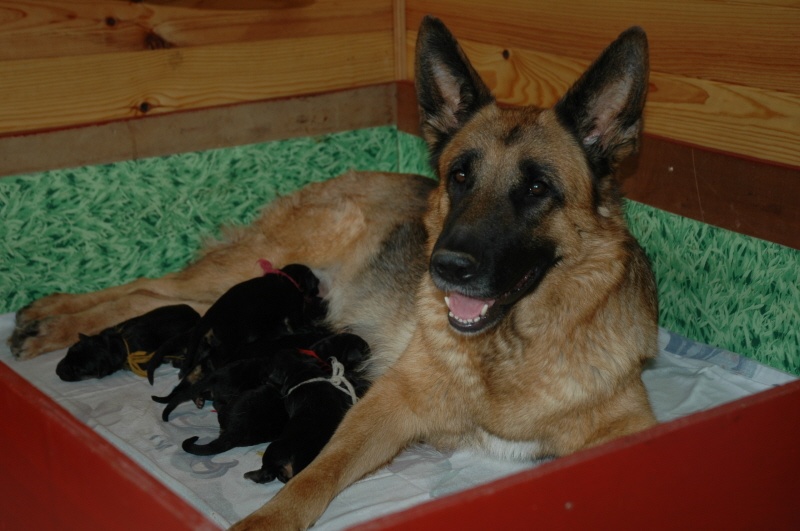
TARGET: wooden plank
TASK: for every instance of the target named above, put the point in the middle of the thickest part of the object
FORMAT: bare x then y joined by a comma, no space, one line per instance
42,94
748,121
399,32
407,109
47,28
744,43
741,195
217,127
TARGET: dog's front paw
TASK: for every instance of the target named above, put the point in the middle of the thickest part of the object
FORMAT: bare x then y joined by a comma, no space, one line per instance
270,517
21,335
39,336
259,522
43,308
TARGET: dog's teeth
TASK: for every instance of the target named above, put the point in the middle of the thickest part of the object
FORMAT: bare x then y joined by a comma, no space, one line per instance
447,302
464,321
484,310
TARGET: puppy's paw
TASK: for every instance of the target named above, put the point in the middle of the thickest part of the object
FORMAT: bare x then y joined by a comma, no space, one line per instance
261,475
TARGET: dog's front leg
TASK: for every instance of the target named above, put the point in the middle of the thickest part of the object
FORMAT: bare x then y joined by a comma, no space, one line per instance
391,415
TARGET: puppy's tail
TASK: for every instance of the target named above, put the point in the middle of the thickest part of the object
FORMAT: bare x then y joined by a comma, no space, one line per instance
180,394
216,446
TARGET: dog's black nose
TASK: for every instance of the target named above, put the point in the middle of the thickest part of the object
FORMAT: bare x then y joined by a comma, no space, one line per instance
454,266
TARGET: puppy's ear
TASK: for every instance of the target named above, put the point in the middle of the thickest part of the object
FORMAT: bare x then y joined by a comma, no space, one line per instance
603,109
449,90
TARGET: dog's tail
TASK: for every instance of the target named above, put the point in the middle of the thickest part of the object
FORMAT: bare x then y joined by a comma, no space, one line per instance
216,446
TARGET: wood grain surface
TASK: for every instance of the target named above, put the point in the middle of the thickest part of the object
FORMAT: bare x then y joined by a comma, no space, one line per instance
748,121
753,43
64,64
195,130
51,28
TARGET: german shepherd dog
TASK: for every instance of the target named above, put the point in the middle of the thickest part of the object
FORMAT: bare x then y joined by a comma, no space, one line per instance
508,308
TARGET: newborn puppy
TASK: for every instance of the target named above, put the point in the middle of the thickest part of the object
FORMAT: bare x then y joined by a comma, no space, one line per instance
250,410
107,352
279,303
254,416
314,403
242,369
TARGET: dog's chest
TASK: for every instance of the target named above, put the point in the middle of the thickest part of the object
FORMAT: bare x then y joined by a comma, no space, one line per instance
506,449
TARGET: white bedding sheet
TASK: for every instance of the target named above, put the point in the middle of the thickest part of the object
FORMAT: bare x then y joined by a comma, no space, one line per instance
685,378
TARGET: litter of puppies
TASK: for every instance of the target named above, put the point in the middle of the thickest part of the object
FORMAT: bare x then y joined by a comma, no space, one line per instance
261,354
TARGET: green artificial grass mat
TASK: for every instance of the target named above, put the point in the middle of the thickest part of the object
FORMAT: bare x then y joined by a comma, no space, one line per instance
83,229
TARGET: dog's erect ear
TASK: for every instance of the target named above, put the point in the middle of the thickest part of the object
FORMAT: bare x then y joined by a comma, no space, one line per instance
603,109
449,90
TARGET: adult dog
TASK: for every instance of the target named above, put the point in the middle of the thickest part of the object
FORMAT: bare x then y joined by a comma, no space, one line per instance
508,309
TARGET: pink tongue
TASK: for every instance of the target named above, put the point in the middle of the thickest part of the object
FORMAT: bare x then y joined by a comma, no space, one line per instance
466,308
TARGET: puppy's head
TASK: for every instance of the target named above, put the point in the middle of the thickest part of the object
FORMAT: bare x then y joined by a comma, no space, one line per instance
349,349
92,357
314,307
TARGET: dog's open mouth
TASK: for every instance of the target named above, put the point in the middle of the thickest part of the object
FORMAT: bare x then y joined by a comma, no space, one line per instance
472,315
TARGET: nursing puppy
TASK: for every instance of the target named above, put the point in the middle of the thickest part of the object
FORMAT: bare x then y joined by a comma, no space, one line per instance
510,302
315,401
279,309
255,403
276,304
238,370
252,417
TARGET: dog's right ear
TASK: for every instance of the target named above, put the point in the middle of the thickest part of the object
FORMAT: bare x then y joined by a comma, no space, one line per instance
449,90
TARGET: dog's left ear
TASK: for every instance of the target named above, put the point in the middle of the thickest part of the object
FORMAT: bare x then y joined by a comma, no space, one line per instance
603,109
449,90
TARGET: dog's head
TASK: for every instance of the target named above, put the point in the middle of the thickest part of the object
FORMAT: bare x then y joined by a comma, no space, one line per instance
521,190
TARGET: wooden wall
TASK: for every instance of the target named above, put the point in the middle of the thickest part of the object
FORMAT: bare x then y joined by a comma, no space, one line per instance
725,73
64,64
722,121
89,81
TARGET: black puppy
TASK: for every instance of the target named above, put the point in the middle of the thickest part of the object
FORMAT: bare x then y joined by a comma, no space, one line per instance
279,303
107,352
315,401
244,369
252,417
249,408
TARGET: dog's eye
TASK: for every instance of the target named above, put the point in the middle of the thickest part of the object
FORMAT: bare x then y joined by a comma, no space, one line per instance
538,188
461,172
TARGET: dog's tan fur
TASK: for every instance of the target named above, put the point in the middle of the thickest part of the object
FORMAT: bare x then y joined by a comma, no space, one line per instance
559,372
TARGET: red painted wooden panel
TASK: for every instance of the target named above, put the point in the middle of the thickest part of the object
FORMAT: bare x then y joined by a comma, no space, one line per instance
58,474
734,467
